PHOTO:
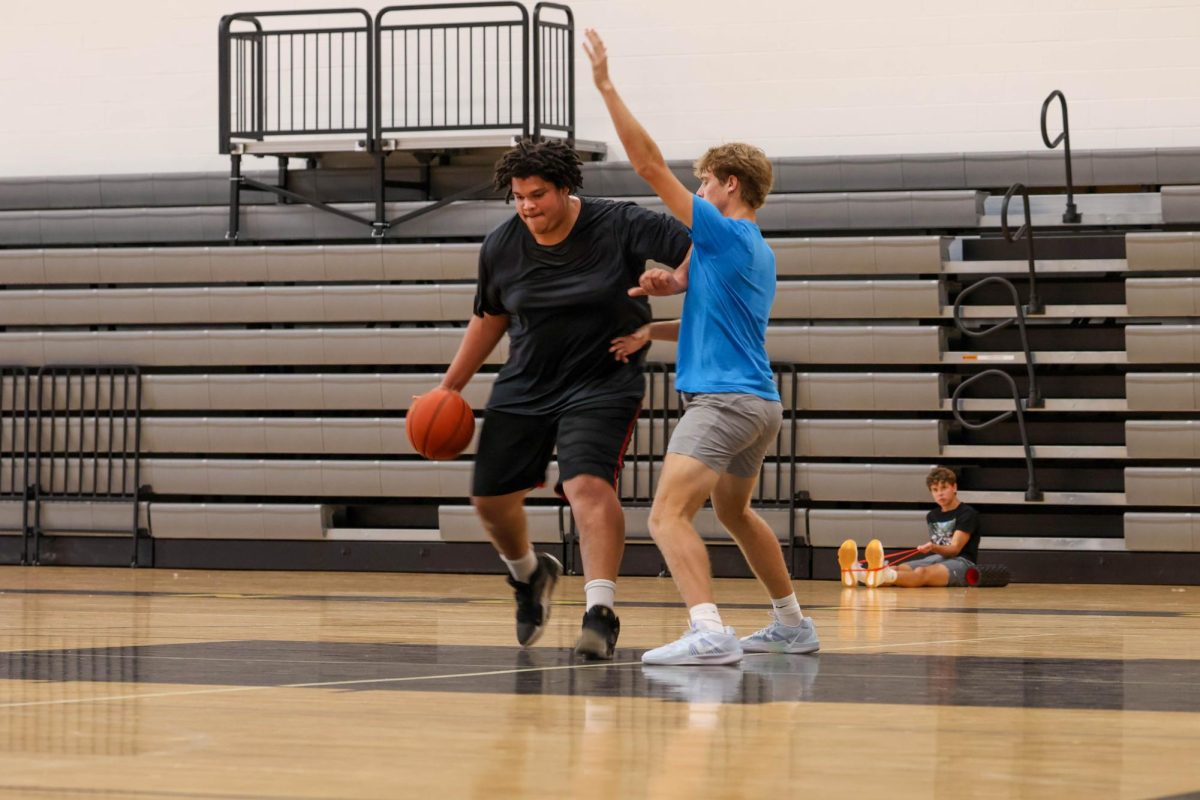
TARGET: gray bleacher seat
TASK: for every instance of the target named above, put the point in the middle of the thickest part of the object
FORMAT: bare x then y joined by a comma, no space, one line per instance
237,521
1180,204
1179,438
1162,297
892,527
1162,251
1161,486
1178,533
1162,391
1161,344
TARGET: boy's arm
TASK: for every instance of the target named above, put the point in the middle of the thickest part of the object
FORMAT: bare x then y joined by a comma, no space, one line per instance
659,282
948,550
625,346
643,153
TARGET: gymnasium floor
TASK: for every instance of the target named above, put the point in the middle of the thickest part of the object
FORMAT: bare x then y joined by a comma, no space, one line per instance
151,684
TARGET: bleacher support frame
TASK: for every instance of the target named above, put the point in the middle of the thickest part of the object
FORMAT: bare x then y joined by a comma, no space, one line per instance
545,100
1071,215
15,419
1032,492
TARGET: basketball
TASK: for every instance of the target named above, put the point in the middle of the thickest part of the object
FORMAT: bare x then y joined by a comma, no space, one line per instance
440,424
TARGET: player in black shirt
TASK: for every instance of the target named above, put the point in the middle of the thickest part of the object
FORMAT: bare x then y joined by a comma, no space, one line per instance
952,549
556,278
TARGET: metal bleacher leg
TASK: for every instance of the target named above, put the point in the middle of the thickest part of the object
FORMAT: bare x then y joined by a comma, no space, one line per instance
235,193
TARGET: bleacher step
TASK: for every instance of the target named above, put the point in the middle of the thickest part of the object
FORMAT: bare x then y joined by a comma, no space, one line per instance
1049,404
1042,267
1051,312
1049,498
1000,358
1071,451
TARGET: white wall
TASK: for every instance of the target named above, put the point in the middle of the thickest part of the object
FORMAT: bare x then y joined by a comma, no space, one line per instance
130,85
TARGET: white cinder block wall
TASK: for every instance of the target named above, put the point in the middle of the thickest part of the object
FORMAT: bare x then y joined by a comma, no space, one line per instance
130,85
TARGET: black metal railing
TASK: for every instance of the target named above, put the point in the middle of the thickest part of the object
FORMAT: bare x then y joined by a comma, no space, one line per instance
554,78
15,429
452,76
295,81
1034,400
1071,214
1035,305
88,444
648,446
1032,492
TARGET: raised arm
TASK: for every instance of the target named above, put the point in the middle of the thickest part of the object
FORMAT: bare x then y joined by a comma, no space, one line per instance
643,153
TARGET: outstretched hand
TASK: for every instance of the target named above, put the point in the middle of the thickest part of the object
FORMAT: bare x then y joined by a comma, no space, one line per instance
625,346
656,282
593,45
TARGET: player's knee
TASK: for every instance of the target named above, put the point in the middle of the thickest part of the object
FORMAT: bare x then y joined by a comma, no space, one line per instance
734,518
664,517
492,510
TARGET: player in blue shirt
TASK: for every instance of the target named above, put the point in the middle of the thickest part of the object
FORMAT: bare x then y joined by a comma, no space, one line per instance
732,413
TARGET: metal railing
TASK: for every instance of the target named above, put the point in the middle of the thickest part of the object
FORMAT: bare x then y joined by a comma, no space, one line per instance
1071,214
452,76
15,428
554,72
645,452
1035,305
383,77
1032,492
88,444
1034,400
296,81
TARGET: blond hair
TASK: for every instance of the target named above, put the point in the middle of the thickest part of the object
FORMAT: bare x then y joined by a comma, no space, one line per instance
749,164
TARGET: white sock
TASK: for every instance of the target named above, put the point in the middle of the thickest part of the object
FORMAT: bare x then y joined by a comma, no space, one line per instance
887,575
787,610
706,617
522,569
600,593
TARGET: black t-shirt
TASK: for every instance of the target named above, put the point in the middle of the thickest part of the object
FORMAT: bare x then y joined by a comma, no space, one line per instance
566,302
943,524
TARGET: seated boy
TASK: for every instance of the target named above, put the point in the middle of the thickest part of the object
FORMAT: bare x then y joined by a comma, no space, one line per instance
952,549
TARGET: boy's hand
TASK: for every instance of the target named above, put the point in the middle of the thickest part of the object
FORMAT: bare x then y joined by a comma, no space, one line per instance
596,52
925,548
656,282
625,346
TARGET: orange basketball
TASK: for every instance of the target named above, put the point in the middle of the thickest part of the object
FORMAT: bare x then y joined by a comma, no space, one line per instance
440,424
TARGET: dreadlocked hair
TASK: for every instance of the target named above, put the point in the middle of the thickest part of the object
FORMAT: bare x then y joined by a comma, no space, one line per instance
552,160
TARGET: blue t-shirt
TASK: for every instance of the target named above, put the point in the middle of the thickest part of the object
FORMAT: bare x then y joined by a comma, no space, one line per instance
731,285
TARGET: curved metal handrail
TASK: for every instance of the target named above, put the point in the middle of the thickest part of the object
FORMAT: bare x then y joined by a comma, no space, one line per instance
1035,305
1034,400
1032,492
1071,214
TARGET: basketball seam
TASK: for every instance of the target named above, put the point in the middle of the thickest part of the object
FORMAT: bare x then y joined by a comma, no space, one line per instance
429,426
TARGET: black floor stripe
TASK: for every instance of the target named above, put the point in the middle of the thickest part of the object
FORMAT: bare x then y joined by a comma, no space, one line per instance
887,678
502,599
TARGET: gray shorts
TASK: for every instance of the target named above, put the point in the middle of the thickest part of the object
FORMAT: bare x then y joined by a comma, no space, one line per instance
957,566
727,432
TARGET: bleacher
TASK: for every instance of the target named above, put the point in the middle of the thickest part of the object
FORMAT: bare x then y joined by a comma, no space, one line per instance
275,373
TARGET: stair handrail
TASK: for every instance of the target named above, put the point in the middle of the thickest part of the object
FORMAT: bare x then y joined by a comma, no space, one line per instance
1032,492
1035,304
1034,400
1071,214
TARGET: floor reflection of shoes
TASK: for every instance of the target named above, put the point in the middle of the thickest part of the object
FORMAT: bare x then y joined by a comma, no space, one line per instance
779,677
707,684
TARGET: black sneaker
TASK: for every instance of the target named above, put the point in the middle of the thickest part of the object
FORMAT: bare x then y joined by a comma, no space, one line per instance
533,599
598,639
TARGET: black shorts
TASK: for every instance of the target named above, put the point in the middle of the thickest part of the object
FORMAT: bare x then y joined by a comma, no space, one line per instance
515,449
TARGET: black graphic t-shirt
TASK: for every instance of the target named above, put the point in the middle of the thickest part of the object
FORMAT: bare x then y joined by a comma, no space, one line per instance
566,302
943,524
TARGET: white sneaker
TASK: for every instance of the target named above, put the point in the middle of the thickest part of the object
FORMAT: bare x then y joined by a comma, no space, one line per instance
848,563
780,638
698,647
875,563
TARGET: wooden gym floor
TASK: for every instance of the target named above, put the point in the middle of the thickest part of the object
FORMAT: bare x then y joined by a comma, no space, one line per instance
149,684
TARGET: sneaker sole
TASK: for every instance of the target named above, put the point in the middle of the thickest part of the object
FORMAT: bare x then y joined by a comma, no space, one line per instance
545,601
848,560
593,646
790,650
874,563
697,661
